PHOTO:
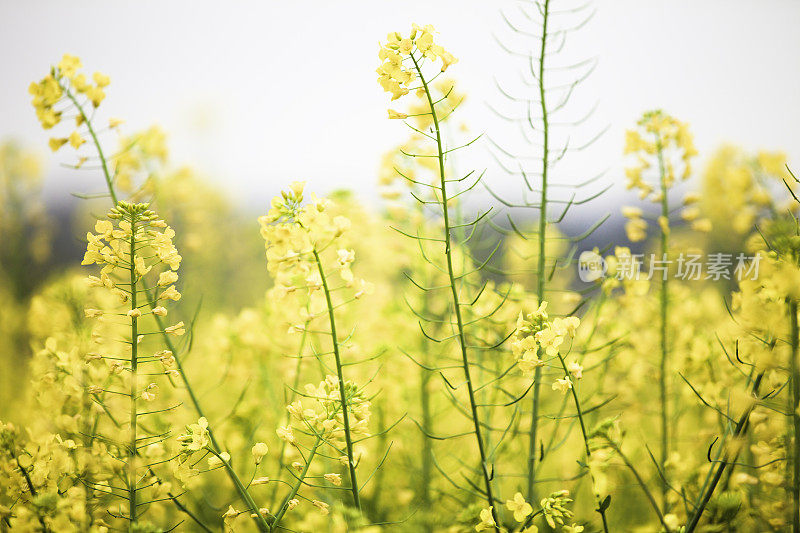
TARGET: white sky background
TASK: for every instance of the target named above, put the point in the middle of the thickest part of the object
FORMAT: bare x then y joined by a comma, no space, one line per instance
256,94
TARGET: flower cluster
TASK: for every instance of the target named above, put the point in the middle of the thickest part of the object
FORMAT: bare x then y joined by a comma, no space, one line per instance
536,331
296,236
65,81
320,412
661,142
554,508
395,75
137,244
667,133
196,436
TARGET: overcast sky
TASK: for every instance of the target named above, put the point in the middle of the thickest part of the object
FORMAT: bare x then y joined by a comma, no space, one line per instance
256,94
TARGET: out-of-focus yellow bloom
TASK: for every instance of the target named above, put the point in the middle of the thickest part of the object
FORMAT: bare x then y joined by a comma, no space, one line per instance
259,450
521,508
486,520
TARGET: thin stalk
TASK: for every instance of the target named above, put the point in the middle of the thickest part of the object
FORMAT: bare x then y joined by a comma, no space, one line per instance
641,483
462,340
31,488
106,173
541,273
793,450
295,386
664,310
741,425
342,395
180,506
600,509
285,504
427,452
427,425
132,481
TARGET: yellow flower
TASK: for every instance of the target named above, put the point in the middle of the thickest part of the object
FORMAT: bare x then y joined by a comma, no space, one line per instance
69,65
636,229
486,520
259,450
101,79
335,479
95,95
140,266
177,329
285,433
519,507
562,385
75,140
171,293
197,438
394,75
396,114
631,212
703,225
167,278
56,143
575,369
322,506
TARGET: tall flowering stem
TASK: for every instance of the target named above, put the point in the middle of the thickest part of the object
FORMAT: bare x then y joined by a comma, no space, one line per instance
536,334
462,340
351,463
65,82
138,243
664,318
541,273
541,93
298,239
671,140
793,456
395,77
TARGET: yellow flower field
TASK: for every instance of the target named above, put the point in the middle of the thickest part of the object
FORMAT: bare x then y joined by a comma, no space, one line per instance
455,357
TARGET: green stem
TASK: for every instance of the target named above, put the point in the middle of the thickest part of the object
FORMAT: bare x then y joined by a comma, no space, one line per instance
737,432
285,504
95,140
456,301
600,509
132,481
793,450
292,394
641,483
664,304
31,488
423,498
541,266
342,394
